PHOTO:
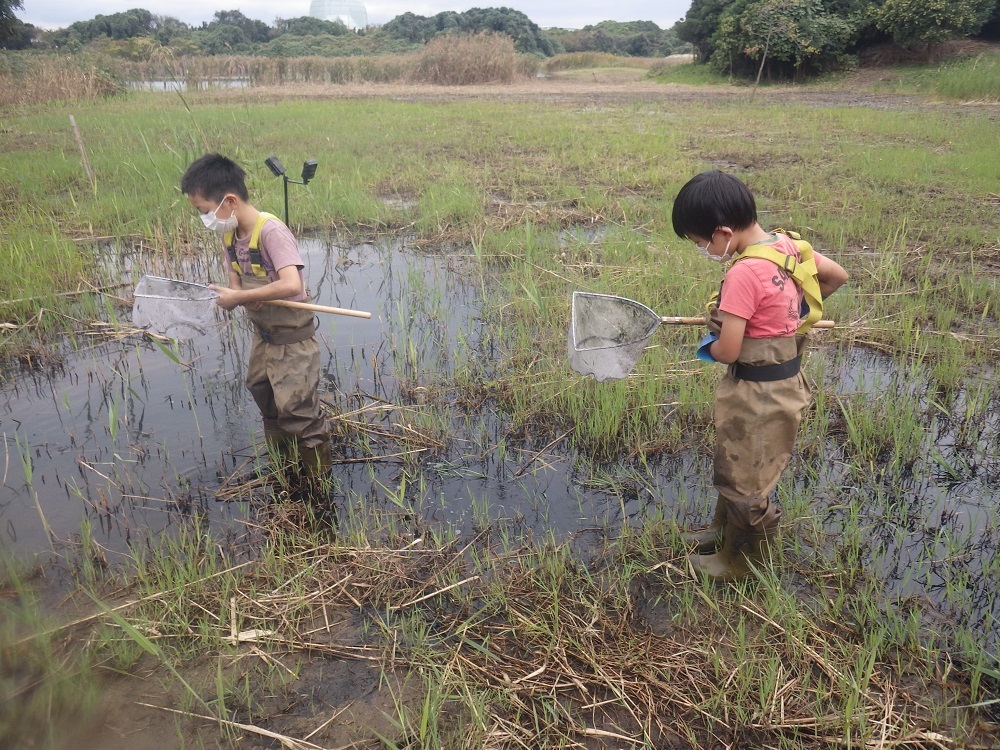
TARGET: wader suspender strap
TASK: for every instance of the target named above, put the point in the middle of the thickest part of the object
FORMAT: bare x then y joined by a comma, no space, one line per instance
256,257
803,272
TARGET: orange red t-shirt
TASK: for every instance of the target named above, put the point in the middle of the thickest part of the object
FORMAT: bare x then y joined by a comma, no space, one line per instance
763,294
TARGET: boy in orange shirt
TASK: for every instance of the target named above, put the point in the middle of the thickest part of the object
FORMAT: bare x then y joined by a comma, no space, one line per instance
758,331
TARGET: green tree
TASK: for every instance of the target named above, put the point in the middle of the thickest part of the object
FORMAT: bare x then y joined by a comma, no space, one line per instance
527,36
9,24
126,25
167,29
913,23
253,31
700,25
787,38
308,26
23,36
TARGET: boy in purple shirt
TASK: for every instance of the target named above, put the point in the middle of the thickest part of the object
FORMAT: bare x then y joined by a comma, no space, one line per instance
264,264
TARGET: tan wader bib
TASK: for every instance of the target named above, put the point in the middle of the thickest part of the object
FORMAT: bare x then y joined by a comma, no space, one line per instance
283,372
755,428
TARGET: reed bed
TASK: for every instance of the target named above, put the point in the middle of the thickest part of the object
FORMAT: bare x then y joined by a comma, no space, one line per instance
462,60
202,72
454,59
36,79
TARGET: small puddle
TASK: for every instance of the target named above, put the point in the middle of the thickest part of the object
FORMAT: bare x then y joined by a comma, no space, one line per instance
136,443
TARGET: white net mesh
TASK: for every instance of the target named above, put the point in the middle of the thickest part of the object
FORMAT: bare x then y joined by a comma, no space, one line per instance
178,309
607,334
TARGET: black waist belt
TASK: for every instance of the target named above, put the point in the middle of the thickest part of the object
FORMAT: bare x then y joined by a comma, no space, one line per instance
766,373
288,335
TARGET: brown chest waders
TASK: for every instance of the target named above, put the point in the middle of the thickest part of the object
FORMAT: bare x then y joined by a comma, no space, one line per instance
758,407
283,378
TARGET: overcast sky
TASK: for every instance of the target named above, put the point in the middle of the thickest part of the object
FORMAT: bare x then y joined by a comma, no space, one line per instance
571,14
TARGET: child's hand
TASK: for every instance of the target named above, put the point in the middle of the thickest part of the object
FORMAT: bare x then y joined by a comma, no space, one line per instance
227,299
714,320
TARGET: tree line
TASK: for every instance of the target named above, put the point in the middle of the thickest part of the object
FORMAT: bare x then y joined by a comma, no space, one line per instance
782,38
137,33
793,38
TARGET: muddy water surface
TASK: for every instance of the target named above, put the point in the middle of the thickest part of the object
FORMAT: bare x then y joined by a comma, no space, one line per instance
134,437
132,440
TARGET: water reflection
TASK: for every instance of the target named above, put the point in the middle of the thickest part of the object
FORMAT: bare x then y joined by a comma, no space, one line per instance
137,440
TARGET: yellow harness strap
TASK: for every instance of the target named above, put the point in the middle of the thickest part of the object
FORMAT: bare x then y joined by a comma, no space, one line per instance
256,258
803,272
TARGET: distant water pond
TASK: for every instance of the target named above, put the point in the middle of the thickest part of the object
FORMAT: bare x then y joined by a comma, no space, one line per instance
182,85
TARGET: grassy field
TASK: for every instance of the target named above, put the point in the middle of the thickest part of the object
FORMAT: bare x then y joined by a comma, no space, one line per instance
498,641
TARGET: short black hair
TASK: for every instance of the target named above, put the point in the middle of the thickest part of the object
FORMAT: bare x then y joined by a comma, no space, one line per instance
212,176
711,200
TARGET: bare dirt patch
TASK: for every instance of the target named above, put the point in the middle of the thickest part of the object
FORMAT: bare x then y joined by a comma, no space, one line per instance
606,86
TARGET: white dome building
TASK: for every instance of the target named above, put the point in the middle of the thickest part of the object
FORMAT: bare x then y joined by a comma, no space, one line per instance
351,13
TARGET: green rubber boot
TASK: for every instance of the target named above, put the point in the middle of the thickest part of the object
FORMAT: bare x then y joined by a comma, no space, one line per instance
740,548
316,461
709,539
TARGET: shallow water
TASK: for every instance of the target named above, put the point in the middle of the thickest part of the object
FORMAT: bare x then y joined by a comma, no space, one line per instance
130,439
135,443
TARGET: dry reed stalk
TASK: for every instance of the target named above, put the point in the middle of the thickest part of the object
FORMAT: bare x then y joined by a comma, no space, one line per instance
467,59
83,153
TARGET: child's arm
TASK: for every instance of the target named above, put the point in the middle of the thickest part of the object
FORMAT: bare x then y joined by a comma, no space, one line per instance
831,276
288,284
727,349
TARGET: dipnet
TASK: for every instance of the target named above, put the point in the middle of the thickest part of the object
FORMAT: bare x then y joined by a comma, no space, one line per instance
608,334
178,309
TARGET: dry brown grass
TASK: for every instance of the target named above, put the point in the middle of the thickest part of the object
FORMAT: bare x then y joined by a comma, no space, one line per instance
36,79
547,653
468,59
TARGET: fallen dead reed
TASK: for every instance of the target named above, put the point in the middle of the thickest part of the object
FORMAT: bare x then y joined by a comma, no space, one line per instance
526,646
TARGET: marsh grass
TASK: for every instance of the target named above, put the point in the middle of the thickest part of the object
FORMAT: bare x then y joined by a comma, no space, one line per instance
549,197
586,60
527,646
46,681
967,78
470,59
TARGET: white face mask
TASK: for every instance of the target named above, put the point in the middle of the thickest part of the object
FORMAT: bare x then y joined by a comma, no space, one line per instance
703,249
216,224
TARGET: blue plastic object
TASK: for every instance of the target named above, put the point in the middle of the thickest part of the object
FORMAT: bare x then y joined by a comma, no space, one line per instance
703,352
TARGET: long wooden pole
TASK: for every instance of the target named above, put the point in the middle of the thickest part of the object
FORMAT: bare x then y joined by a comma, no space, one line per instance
700,321
318,308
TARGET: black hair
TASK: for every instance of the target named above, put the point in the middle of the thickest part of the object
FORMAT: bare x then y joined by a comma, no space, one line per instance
711,200
212,176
